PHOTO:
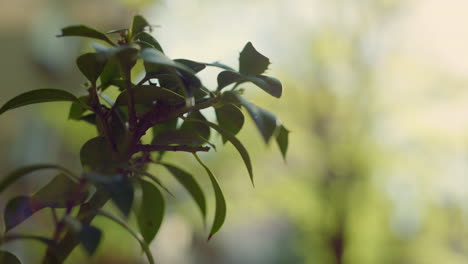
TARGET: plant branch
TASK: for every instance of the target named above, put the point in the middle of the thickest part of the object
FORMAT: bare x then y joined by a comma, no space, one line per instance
149,148
131,101
57,253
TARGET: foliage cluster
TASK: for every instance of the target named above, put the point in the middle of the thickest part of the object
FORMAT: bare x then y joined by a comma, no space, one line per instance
166,102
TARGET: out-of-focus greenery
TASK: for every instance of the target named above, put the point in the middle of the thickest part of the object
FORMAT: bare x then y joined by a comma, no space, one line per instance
376,171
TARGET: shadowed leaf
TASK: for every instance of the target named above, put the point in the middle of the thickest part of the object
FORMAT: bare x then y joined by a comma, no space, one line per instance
90,237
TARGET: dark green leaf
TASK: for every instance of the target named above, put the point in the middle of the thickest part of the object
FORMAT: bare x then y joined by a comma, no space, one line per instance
8,258
19,209
190,184
38,96
226,78
139,24
84,31
149,95
151,212
18,173
268,84
282,139
143,245
220,212
266,122
149,40
230,117
235,142
195,66
91,65
199,128
251,62
119,188
90,237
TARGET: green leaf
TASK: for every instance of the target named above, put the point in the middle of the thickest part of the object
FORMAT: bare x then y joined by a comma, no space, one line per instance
110,73
199,128
169,125
176,75
251,62
97,155
266,122
84,31
38,96
77,110
151,212
282,139
230,117
61,192
154,56
119,187
143,245
18,173
190,184
149,94
268,84
8,258
19,209
90,237
235,142
154,179
195,66
138,25
91,65
146,38
220,212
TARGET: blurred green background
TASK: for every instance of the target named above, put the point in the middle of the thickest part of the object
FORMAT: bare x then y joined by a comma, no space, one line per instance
375,96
